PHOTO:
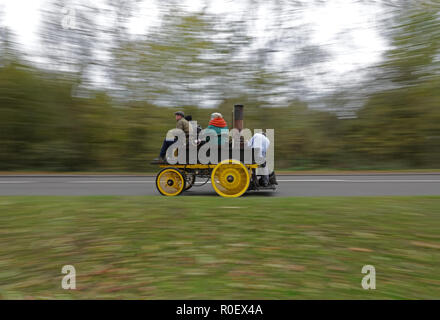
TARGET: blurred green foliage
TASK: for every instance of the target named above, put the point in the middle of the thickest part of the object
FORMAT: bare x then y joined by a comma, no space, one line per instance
45,124
44,128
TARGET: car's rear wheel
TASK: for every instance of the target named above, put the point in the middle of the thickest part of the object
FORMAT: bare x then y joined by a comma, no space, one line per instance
230,178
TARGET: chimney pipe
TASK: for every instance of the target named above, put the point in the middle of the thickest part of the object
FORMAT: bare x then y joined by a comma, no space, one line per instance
238,117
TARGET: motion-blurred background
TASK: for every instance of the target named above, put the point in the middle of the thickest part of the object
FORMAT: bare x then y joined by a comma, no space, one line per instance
92,85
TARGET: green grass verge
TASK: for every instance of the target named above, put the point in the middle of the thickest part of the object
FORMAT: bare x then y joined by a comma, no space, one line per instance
215,248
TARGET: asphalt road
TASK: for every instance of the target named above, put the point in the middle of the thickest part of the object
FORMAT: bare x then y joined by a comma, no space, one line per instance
292,185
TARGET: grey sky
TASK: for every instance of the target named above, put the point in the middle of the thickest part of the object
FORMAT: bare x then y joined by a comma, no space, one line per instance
347,29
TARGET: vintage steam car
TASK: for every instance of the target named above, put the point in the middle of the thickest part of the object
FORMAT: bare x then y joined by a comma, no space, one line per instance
230,176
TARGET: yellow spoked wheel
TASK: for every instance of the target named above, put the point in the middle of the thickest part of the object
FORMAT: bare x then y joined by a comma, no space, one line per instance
170,182
230,178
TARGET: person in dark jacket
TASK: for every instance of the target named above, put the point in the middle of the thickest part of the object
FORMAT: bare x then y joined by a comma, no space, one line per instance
189,119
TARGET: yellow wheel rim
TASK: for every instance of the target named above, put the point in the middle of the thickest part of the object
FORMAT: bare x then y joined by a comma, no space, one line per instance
170,182
230,178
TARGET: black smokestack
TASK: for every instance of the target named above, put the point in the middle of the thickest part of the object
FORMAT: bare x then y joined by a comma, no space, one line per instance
238,116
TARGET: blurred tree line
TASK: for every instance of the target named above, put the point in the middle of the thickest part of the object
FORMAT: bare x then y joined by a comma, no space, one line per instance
53,118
